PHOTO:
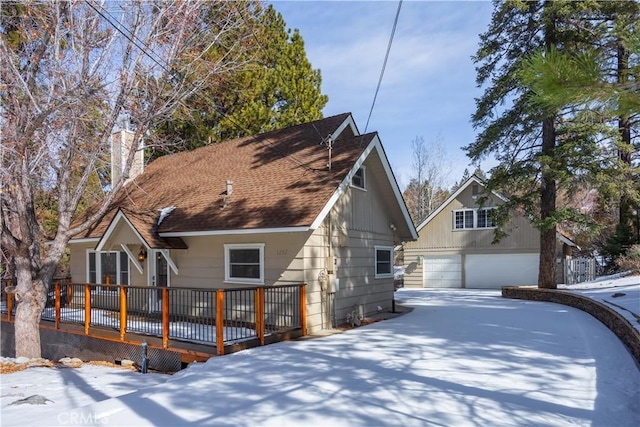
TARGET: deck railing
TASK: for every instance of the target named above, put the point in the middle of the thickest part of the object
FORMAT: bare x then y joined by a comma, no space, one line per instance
216,317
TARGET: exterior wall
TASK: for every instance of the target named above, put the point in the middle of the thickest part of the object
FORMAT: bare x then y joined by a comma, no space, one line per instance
439,237
78,261
360,221
336,261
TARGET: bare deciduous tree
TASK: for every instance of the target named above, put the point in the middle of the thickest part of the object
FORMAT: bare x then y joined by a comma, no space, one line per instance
427,186
69,71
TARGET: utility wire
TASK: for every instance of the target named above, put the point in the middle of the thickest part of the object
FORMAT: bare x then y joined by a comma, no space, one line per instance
118,29
384,65
144,49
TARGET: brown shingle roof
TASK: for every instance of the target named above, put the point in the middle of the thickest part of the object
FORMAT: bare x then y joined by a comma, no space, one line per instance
280,179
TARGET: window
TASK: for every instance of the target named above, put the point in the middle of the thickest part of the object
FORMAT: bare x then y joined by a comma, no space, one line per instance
472,218
463,219
384,261
244,263
112,265
358,179
483,219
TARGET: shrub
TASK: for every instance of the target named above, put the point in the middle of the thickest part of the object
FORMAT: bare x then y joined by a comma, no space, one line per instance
631,260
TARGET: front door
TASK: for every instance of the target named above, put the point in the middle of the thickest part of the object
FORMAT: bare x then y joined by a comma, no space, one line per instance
160,279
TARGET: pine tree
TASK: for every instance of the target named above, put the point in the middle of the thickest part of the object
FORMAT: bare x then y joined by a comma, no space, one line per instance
276,88
536,153
595,85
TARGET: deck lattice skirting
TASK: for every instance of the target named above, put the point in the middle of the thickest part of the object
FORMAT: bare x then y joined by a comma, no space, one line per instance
619,325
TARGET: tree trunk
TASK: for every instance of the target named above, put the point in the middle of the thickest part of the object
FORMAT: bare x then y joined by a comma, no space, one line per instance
31,296
547,266
624,127
547,271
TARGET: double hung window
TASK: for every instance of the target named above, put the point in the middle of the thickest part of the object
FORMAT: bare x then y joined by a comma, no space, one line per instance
244,263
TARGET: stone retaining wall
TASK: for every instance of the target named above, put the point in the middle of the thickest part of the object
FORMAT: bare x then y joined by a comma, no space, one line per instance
609,317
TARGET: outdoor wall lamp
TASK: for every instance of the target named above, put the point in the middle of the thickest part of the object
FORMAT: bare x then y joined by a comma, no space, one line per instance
142,255
419,260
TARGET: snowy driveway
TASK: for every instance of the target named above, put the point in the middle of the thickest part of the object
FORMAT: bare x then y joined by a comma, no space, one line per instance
459,358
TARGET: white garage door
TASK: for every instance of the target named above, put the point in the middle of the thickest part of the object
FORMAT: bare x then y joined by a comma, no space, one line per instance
442,272
495,271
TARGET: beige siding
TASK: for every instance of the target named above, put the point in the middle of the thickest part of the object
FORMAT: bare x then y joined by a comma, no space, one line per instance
78,260
439,235
358,223
361,221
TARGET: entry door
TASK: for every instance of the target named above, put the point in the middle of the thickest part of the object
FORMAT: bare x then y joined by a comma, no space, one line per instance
160,278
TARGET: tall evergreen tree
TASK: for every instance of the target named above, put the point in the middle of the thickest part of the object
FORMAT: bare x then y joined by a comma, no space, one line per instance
536,154
276,88
595,84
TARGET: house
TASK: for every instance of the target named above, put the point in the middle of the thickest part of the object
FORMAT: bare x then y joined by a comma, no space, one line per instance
454,247
316,203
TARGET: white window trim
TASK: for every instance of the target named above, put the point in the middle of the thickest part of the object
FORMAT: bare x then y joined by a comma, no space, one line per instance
364,179
375,266
227,270
99,268
475,219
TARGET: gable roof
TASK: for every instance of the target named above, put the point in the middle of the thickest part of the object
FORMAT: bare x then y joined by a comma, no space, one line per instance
474,179
281,182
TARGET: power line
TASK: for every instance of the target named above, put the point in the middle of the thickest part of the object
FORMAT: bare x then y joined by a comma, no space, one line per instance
384,65
144,49
117,27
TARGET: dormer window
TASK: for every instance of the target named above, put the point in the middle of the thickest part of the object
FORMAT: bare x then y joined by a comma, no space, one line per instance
358,179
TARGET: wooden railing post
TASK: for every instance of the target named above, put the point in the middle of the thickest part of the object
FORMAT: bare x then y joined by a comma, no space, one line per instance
303,308
123,312
220,322
57,304
107,281
69,292
9,303
87,308
165,317
260,314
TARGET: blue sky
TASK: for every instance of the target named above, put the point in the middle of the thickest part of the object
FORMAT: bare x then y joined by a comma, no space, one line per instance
429,85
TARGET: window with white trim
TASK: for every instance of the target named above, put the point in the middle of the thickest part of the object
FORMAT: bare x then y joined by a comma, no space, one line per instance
358,179
384,261
464,219
109,265
244,263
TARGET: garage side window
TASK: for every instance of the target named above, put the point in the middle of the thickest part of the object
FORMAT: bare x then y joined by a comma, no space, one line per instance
384,261
244,263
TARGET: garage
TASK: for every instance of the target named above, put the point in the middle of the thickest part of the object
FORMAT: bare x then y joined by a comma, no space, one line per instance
442,272
497,270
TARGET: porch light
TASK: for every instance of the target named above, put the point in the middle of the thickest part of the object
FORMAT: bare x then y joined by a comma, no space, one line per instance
142,255
419,260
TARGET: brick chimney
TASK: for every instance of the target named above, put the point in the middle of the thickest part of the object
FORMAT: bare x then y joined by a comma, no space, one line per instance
121,141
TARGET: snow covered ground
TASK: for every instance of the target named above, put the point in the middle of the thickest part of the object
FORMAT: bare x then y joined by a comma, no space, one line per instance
620,292
459,358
